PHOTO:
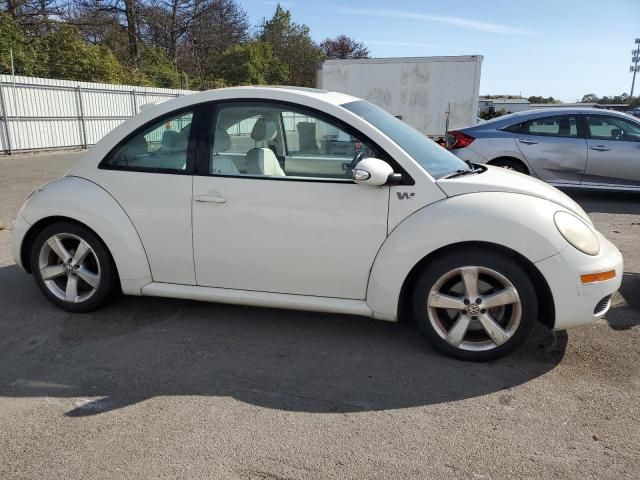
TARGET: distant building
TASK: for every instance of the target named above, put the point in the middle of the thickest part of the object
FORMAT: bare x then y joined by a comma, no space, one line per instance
509,105
619,107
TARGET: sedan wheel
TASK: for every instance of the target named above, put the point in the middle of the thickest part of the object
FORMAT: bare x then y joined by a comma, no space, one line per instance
475,306
72,267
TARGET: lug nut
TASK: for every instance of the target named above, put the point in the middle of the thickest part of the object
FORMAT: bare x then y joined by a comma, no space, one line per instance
474,317
478,301
466,301
484,310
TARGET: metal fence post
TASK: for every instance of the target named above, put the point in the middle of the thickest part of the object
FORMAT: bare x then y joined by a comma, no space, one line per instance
83,127
5,119
134,103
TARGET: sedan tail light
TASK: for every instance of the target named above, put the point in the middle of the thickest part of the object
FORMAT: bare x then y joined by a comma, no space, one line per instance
457,139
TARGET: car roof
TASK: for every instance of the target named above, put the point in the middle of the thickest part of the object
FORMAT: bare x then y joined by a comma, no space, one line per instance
569,110
267,91
517,117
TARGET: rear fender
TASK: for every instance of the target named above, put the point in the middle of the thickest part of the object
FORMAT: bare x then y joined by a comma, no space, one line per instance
85,202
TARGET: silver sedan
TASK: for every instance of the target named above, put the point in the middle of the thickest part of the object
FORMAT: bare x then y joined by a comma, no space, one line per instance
585,148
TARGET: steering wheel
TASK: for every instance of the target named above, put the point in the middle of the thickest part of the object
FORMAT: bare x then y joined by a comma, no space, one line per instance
349,167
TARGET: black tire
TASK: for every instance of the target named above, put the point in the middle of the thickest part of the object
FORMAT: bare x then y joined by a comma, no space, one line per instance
485,259
106,269
510,164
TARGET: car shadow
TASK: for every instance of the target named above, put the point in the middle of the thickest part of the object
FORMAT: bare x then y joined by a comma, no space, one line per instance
624,317
606,202
138,348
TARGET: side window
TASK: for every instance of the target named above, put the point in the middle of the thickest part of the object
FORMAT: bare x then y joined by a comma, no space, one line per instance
267,140
556,126
162,146
603,127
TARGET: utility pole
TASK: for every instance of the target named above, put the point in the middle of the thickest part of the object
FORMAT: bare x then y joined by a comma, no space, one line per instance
635,68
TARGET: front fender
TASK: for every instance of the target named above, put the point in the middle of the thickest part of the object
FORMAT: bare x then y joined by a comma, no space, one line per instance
519,222
87,203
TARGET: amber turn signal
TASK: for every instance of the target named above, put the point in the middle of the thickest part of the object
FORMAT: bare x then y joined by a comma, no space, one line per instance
598,277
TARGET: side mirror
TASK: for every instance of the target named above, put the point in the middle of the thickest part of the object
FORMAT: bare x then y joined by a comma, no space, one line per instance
372,171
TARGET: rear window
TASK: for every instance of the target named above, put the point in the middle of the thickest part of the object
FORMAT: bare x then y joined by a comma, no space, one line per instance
554,126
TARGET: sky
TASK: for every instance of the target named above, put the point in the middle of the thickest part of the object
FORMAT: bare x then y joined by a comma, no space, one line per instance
559,48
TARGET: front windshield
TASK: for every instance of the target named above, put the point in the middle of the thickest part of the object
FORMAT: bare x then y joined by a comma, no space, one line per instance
431,156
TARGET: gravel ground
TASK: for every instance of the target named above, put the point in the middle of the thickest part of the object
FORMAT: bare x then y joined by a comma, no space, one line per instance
164,388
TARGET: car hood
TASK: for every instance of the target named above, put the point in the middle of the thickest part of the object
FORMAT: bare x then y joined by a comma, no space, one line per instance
496,179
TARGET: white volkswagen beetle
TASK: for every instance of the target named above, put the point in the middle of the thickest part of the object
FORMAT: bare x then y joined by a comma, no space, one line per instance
314,200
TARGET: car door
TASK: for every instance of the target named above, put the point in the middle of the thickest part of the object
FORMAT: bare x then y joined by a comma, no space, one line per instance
613,151
270,222
150,175
553,147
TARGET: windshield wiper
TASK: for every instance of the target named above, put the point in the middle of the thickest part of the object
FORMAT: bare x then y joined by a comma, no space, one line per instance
459,173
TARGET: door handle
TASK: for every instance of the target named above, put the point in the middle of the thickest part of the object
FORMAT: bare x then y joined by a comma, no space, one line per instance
600,148
528,141
211,199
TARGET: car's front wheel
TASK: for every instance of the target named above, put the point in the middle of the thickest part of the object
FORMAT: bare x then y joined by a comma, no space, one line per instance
72,267
478,305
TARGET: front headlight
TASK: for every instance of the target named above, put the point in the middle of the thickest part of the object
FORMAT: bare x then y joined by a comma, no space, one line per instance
577,233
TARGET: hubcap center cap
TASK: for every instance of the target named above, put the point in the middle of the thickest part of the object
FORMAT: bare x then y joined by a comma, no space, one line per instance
473,309
68,268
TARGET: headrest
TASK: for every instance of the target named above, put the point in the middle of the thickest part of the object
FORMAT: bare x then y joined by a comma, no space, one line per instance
174,141
221,140
264,130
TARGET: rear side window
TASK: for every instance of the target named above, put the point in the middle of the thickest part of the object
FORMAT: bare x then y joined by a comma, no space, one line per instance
160,147
554,126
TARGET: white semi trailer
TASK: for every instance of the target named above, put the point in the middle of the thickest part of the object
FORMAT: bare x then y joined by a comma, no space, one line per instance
432,94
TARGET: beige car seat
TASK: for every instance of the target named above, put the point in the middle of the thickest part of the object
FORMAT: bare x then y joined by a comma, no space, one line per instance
261,160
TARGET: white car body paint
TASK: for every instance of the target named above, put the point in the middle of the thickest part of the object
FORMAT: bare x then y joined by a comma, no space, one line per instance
350,247
90,204
489,217
288,237
159,206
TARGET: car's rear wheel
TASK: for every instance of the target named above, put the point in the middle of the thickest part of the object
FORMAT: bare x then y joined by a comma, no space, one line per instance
510,164
72,267
475,306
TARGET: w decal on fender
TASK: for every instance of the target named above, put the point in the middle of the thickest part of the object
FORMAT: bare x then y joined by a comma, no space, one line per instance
405,195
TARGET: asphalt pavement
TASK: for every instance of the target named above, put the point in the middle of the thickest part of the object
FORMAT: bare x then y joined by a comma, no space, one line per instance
160,388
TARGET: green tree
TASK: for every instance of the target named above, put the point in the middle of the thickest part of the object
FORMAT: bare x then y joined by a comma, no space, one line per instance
26,52
157,67
69,57
292,45
589,98
343,47
251,64
538,99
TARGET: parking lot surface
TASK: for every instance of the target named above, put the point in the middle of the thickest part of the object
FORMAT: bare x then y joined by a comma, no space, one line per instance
160,388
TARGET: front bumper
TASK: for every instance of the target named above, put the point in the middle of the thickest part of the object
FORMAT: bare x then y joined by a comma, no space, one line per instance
19,228
577,303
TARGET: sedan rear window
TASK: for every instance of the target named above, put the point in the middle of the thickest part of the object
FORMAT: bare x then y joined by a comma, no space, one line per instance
555,126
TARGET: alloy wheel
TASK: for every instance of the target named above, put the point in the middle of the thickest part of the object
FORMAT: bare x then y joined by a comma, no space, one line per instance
474,308
69,267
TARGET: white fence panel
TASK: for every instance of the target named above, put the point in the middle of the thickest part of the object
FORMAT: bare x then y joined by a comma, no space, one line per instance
44,113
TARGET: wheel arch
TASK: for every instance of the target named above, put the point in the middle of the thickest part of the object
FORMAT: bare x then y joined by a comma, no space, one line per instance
521,161
36,228
80,201
546,309
488,219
